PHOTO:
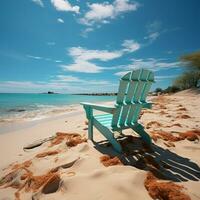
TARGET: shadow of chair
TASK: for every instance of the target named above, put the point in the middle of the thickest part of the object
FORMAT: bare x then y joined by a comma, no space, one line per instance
163,163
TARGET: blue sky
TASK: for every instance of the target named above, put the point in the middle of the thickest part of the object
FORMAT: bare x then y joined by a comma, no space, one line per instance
85,46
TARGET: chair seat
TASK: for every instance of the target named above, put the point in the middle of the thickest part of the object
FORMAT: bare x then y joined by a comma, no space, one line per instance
104,119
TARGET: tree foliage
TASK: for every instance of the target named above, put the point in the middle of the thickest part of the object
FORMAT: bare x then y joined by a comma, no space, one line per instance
190,78
192,60
158,90
187,80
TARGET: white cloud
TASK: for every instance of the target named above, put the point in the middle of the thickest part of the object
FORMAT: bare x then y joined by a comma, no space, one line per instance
59,20
150,63
51,43
165,77
38,2
42,58
74,79
130,45
154,26
85,32
153,31
85,54
153,64
121,73
103,12
82,66
64,78
34,57
83,57
64,5
58,61
152,36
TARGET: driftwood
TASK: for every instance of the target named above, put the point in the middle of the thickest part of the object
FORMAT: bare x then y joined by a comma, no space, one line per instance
38,143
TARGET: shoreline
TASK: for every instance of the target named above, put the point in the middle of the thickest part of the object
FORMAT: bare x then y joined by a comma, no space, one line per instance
16,126
67,111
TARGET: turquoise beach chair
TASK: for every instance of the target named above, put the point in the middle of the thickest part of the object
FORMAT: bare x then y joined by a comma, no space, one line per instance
131,98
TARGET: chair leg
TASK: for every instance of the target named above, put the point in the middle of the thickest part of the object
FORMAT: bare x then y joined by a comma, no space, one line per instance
139,129
90,130
107,133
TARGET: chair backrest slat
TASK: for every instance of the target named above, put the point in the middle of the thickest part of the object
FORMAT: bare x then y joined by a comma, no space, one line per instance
133,89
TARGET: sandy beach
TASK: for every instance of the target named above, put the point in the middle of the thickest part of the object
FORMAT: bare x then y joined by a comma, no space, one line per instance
68,166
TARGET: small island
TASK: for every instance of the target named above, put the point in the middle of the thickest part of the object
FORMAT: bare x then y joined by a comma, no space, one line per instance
49,92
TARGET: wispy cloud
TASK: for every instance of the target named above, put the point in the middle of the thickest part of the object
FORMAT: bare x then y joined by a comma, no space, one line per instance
42,58
74,79
51,43
38,2
34,57
85,32
58,61
64,5
149,63
130,45
85,54
104,12
121,73
59,20
165,77
153,64
153,31
83,57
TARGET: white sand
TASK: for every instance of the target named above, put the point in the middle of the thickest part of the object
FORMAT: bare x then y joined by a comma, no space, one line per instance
88,178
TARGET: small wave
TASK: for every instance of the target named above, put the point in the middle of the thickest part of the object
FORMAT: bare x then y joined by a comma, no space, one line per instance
16,110
43,112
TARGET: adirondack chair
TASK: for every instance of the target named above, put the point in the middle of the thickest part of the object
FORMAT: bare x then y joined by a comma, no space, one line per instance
131,98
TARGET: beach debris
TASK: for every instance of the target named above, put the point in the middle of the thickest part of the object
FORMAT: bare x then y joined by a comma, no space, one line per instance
69,174
162,112
72,139
182,109
47,153
107,160
23,178
52,184
167,190
64,166
25,164
183,116
176,124
162,106
191,135
169,144
154,124
37,143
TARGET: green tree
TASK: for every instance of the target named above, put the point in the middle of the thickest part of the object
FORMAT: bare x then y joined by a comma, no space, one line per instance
191,77
158,90
192,60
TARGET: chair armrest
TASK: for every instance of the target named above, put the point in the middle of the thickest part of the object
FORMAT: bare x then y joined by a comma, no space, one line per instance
147,105
108,109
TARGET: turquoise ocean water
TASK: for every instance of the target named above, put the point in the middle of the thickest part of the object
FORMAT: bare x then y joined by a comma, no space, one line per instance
16,107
